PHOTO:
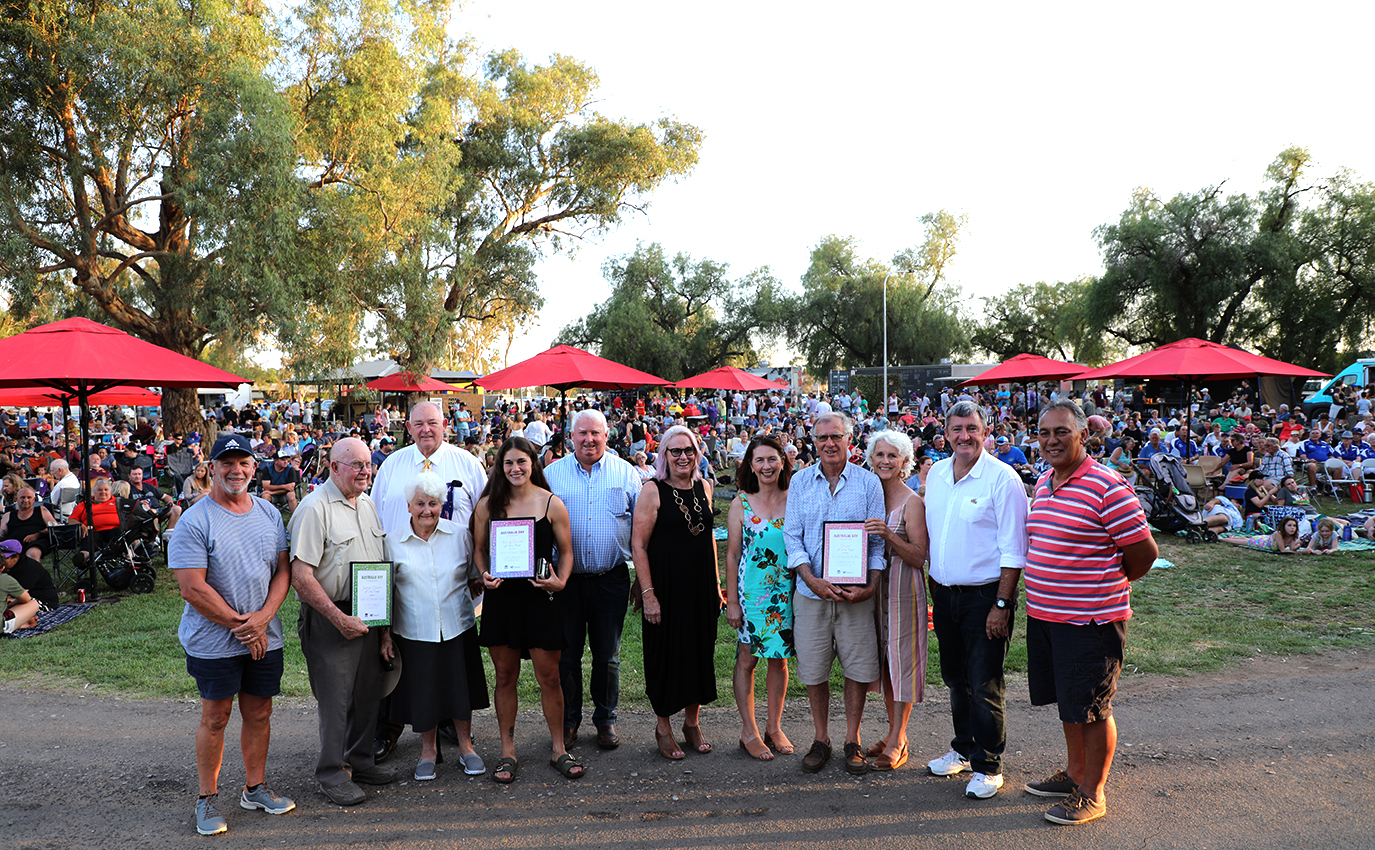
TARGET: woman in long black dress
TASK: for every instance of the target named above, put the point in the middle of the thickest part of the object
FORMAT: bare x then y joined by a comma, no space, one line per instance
523,618
680,588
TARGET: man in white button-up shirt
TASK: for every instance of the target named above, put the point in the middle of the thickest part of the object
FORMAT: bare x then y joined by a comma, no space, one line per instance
976,509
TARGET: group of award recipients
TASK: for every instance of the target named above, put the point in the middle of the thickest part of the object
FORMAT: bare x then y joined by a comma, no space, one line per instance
823,565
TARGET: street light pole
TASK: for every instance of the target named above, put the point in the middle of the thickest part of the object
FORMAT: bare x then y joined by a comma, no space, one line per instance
883,397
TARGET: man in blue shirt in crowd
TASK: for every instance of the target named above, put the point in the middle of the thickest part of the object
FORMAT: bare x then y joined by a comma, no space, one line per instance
1181,446
1314,452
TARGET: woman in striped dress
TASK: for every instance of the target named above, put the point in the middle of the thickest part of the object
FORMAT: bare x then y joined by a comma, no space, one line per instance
900,604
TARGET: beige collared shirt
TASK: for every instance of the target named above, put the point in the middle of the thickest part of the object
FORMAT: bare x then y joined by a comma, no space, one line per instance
329,534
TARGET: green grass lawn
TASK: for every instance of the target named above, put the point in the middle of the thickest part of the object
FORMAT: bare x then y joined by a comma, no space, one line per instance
1216,605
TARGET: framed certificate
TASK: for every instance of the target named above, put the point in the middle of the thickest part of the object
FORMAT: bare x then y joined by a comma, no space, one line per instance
511,548
372,592
844,553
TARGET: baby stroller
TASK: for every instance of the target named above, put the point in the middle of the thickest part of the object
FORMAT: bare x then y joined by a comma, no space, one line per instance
1170,503
125,559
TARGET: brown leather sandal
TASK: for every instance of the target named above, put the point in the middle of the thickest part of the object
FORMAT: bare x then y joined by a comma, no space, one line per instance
668,747
757,749
693,734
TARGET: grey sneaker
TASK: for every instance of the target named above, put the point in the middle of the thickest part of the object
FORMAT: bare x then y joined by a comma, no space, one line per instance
1076,808
265,799
1059,785
208,819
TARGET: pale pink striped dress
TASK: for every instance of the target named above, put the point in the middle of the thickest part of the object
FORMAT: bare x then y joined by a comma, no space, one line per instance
900,610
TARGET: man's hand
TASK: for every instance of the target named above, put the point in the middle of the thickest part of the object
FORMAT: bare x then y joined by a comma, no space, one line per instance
999,623
352,627
855,593
822,588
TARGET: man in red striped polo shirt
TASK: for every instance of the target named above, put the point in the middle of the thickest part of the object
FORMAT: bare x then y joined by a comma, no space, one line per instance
1087,541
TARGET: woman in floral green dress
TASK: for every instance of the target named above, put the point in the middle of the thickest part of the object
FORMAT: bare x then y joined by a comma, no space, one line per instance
759,590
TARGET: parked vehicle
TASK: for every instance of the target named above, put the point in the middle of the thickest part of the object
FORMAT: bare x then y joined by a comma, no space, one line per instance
1358,374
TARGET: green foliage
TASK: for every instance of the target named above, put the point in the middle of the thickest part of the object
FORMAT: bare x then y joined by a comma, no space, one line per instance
678,317
1043,318
838,319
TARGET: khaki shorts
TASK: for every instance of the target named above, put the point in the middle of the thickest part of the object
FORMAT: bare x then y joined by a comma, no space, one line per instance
823,629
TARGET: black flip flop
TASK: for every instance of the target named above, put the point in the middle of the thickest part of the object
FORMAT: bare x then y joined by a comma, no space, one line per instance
510,766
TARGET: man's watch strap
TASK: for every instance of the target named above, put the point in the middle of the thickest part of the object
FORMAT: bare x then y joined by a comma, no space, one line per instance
1005,604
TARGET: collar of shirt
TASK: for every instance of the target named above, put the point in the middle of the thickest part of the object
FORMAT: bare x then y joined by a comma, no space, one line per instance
445,526
1077,473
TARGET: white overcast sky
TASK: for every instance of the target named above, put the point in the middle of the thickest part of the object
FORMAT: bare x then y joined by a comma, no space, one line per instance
1036,121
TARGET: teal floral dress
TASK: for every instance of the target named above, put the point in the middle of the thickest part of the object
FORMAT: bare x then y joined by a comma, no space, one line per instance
765,587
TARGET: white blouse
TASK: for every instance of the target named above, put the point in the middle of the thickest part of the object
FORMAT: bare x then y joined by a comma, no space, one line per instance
431,601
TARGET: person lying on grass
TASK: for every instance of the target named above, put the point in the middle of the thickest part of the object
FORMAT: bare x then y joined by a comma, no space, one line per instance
1285,539
1325,540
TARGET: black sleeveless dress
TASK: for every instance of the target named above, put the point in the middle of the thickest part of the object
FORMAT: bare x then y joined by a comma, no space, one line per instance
679,650
520,615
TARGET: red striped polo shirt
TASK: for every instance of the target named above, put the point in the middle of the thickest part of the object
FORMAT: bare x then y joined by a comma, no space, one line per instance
1074,555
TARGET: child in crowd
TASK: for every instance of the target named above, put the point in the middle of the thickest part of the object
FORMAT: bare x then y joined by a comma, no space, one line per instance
1325,540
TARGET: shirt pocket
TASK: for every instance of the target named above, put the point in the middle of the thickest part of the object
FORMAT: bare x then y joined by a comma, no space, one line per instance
615,502
973,509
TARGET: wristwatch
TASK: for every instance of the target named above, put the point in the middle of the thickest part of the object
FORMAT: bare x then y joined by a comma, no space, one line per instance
1005,604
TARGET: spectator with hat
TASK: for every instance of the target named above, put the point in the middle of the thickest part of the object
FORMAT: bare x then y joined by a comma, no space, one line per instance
279,479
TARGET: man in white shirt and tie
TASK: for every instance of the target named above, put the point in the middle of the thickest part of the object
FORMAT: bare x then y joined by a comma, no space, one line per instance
976,509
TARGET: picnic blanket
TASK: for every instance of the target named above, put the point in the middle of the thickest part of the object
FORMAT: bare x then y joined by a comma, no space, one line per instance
48,620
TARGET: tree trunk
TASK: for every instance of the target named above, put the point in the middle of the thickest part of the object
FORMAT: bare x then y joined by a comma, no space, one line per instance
181,412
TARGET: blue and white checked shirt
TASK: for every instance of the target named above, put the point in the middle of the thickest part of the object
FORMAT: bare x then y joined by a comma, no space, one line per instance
858,496
601,505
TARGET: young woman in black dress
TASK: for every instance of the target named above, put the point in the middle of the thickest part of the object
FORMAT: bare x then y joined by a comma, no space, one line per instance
523,618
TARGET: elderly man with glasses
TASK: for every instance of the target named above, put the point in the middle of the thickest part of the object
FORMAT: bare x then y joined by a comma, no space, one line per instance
335,525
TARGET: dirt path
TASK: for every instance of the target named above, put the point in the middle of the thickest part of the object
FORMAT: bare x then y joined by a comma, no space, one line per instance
1272,753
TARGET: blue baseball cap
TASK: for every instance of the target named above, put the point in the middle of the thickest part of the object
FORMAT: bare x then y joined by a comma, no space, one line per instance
231,443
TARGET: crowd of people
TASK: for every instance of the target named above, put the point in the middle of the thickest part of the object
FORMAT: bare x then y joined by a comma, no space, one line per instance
958,498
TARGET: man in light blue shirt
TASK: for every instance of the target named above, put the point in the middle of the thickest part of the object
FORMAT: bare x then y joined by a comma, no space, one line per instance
832,620
599,490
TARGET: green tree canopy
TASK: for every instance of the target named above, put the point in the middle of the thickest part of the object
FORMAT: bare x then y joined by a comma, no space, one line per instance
1046,319
676,317
838,318
147,163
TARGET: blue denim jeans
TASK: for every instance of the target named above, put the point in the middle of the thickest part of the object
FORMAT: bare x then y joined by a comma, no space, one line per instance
594,609
972,667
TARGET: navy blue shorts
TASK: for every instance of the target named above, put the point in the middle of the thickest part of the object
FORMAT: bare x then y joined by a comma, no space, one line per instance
1075,666
223,678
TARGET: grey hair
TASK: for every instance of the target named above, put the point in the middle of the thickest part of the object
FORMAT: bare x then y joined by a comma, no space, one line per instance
967,409
897,440
1081,421
429,484
584,413
59,465
844,421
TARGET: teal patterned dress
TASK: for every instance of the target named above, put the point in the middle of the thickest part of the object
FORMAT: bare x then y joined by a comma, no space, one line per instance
765,587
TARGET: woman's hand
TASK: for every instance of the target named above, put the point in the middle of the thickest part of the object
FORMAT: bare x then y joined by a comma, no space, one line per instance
490,582
879,527
653,614
734,615
553,584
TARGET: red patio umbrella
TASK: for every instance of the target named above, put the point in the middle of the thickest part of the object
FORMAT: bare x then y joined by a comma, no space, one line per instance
406,382
136,396
564,367
79,357
1191,360
727,378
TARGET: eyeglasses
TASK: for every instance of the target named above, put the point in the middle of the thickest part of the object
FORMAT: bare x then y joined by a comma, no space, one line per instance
679,452
357,465
829,438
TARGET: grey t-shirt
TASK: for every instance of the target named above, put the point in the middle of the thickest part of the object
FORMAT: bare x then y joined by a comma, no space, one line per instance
239,555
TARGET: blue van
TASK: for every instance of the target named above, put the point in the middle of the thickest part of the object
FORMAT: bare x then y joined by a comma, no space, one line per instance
1358,374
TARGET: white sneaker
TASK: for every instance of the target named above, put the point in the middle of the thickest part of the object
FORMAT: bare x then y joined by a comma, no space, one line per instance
983,786
10,626
949,764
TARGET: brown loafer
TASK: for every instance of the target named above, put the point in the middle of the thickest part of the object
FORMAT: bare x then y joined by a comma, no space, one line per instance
570,737
607,738
816,757
855,763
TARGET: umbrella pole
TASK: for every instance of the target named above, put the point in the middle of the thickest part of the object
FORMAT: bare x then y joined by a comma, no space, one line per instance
84,402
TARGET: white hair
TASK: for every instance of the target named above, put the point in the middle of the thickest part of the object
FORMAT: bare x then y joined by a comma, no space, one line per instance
897,440
429,484
584,413
59,467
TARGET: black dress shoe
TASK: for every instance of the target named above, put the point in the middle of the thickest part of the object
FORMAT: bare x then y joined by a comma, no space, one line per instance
382,749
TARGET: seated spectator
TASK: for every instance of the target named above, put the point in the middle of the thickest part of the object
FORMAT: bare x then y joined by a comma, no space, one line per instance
21,609
197,484
1259,493
279,480
63,479
1314,454
1183,446
1349,456
1274,464
29,573
151,498
1123,460
104,518
10,486
1241,461
27,523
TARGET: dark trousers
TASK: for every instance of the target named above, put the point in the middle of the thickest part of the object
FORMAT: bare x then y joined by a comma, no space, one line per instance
972,667
594,609
346,679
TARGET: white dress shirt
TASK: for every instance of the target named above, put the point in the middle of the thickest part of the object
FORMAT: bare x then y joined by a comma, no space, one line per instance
432,601
449,462
977,525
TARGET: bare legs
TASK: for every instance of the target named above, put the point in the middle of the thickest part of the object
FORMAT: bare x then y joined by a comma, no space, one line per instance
506,664
898,715
776,685
1090,747
819,698
256,713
